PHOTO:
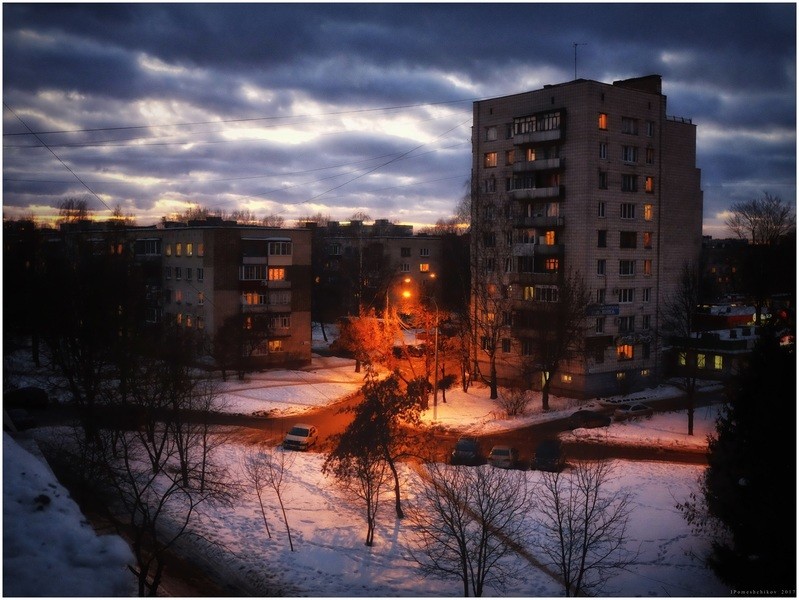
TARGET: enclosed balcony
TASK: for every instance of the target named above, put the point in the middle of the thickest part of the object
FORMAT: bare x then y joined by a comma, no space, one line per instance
541,164
537,193
540,221
533,137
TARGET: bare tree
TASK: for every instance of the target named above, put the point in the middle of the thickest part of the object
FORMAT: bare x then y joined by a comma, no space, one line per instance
679,315
363,475
255,469
467,523
320,220
513,401
73,210
278,463
762,221
273,220
245,217
584,526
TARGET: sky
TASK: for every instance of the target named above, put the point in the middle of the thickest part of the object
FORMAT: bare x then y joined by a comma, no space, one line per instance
327,526
300,109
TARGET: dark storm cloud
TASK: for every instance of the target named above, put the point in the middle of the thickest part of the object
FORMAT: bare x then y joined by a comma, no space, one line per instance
318,73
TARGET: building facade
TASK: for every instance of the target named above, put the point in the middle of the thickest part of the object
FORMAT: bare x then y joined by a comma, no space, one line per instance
591,179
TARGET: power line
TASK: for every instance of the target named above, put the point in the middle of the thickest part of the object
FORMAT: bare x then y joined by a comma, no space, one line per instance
66,166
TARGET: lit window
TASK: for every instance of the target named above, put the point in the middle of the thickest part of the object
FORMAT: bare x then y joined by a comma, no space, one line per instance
682,359
647,239
424,267
200,249
624,352
647,212
178,295
179,318
200,322
200,300
168,249
551,264
509,156
566,378
620,375
277,274
550,238
645,373
603,121
189,249
700,361
718,362
178,249
188,320
275,346
490,159
649,185
247,322
528,293
648,266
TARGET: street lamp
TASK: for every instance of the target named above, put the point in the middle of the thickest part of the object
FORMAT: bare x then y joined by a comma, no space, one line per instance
435,367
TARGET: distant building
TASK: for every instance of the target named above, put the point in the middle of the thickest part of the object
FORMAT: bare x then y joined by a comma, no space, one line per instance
592,178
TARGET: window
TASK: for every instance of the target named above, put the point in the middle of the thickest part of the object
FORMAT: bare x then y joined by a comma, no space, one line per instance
647,212
506,345
179,318
629,183
546,293
189,249
489,239
646,295
188,274
491,134
599,327
279,248
650,156
424,251
627,210
276,274
167,272
509,157
490,185
650,129
602,238
602,121
628,239
200,322
200,249
626,268
627,324
648,266
647,239
178,249
603,150
682,359
275,346
527,346
718,362
700,361
200,274
488,212
405,252
282,321
424,267
603,180
178,296
624,352
646,322
168,249
550,238
600,266
600,211
626,295
629,125
200,300
188,321
335,249
629,154
490,159
540,122
489,265
649,185
551,265
600,295
405,268
178,272
528,293
566,378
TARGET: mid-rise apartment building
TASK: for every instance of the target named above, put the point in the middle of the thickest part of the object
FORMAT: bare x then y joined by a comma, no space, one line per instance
593,179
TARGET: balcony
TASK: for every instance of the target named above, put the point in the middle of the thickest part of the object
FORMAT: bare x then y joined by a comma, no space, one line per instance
548,250
539,278
537,193
534,137
537,165
540,221
523,249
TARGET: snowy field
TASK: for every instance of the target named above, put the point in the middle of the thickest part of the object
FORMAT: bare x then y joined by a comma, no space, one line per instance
328,529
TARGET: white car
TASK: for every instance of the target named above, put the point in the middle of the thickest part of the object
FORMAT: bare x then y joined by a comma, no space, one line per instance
300,437
628,411
503,457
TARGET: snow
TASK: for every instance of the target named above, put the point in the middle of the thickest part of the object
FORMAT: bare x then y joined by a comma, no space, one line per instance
328,528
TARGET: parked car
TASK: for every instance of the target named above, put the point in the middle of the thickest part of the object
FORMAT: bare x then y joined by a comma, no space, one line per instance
588,419
628,411
503,457
613,402
549,456
467,452
300,437
26,397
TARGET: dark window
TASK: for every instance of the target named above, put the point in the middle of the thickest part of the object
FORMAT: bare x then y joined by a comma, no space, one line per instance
628,239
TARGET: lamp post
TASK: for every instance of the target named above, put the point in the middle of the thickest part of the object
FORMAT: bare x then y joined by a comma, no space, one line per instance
435,367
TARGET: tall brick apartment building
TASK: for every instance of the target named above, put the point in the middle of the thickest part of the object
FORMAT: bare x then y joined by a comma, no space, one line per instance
591,178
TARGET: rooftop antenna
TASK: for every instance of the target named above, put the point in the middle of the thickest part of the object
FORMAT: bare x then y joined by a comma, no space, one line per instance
575,44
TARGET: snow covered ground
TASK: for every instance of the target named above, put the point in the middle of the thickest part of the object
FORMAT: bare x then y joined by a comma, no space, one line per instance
328,528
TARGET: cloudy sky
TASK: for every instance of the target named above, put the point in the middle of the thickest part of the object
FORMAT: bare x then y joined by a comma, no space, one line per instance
296,109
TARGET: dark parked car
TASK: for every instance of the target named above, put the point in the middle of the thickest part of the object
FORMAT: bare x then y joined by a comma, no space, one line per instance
467,452
588,419
549,456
